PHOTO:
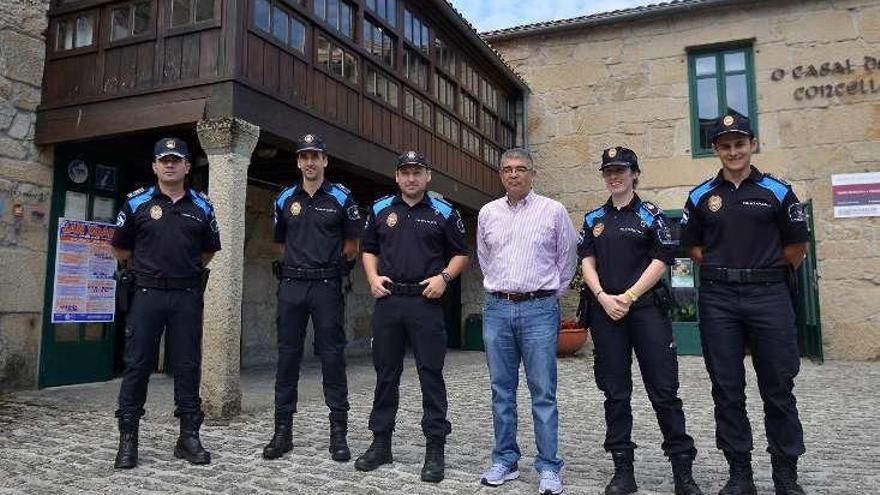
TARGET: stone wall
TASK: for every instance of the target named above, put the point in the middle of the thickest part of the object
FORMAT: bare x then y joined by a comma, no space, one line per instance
627,84
25,192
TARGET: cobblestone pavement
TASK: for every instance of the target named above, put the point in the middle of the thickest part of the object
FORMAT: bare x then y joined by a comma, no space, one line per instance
63,440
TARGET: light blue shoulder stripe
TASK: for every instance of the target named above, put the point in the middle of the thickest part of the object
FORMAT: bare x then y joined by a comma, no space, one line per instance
775,186
443,207
382,203
591,217
136,202
200,202
279,202
646,215
340,195
698,192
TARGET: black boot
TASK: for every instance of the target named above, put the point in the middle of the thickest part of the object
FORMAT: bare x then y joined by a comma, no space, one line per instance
189,446
435,460
338,429
282,440
682,474
379,453
740,481
127,455
785,475
623,481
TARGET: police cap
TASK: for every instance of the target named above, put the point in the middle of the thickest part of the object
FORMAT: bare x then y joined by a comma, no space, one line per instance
170,147
310,142
619,156
412,158
733,122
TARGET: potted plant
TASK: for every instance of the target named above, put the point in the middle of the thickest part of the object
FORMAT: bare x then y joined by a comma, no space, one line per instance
572,336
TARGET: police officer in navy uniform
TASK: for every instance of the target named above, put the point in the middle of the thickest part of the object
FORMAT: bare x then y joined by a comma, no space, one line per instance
413,247
748,231
167,234
317,225
626,247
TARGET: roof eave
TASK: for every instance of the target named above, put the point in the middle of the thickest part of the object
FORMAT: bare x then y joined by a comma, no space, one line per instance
614,17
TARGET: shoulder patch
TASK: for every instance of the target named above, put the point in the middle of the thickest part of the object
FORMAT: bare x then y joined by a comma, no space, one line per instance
698,192
593,215
778,187
648,214
201,200
382,203
442,206
344,189
282,197
779,179
139,197
135,192
339,193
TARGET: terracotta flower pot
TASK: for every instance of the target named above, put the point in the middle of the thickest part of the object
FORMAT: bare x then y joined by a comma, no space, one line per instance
570,340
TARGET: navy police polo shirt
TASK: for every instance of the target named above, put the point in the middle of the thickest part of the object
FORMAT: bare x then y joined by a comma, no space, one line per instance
625,241
313,228
413,242
167,239
743,227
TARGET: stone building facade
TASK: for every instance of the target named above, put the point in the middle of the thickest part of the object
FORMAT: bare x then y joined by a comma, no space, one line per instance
25,191
622,78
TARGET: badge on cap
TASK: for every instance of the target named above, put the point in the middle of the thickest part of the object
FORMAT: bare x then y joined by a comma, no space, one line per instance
714,203
411,155
295,208
612,152
156,212
309,138
391,221
598,229
728,121
170,144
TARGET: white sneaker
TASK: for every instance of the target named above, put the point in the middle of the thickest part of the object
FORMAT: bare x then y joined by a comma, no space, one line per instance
551,483
499,473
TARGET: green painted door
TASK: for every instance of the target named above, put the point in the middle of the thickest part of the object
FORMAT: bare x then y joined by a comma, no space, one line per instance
84,189
807,300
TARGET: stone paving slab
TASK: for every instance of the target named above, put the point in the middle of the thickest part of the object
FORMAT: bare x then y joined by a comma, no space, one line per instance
63,440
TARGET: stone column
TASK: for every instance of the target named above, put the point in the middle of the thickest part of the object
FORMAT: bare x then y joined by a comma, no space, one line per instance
228,142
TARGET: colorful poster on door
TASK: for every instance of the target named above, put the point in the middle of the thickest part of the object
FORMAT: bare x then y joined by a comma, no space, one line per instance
856,195
84,286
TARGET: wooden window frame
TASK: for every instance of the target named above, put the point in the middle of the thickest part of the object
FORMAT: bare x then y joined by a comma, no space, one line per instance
384,19
439,111
386,33
55,53
355,85
404,68
425,48
213,22
269,37
424,101
466,129
697,151
368,68
440,77
148,35
322,18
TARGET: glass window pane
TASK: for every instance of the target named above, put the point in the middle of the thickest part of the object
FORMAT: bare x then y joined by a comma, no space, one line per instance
323,52
371,4
297,35
204,10
320,10
737,94
142,14
391,14
261,14
380,8
392,93
333,13
424,41
64,36
371,81
345,19
180,12
734,61
407,25
336,60
280,23
388,53
119,23
705,66
84,31
707,98
350,68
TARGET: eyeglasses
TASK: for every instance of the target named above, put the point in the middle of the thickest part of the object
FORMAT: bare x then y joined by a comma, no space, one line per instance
512,170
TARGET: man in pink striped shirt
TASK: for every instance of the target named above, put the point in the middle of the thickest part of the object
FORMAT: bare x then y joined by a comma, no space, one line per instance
526,248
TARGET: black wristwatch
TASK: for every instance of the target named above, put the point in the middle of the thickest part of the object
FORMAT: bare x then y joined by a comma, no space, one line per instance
446,276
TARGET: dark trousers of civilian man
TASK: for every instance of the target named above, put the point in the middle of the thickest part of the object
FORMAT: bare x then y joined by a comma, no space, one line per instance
322,300
177,312
647,331
760,314
398,320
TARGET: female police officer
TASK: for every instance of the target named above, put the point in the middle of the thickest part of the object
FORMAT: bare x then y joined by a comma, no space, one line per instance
626,245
